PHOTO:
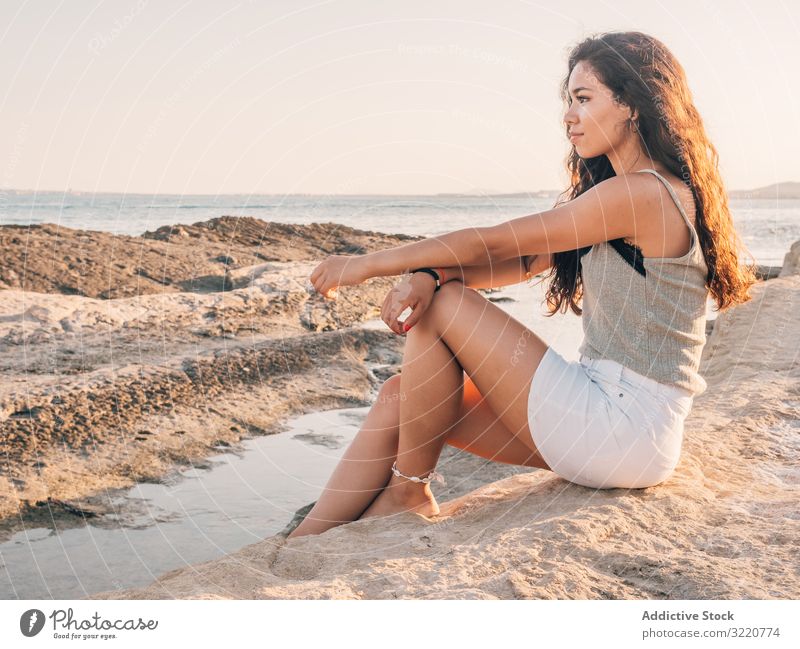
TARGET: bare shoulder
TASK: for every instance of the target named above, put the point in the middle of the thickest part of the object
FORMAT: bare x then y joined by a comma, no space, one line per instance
660,229
639,193
652,191
635,187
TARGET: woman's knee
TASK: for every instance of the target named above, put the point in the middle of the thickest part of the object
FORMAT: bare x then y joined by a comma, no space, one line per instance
390,394
450,295
445,304
391,385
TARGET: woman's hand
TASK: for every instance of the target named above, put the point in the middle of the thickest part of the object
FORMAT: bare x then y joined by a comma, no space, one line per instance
415,291
336,271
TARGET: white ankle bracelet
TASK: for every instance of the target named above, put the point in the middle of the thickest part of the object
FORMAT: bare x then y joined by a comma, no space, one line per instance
433,475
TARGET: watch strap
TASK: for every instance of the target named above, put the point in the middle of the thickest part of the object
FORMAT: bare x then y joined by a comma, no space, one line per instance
432,273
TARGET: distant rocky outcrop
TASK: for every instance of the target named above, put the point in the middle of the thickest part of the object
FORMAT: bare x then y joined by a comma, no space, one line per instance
175,258
776,191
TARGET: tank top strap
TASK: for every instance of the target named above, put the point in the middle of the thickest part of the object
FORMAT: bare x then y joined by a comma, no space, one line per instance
672,193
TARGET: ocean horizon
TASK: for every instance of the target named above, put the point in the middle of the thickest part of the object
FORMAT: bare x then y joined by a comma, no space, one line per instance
765,225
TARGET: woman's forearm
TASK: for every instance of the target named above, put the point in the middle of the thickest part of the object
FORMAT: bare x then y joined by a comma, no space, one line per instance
467,247
494,275
497,274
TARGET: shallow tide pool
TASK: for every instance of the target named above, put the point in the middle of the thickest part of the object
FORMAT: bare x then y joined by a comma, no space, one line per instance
199,514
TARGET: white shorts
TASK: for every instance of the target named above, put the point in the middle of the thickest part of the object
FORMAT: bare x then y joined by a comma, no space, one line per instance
599,424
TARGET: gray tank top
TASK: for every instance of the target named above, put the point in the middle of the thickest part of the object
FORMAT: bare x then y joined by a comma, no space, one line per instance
651,320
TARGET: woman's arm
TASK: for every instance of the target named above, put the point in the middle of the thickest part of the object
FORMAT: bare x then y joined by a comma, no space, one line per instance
502,273
466,247
605,212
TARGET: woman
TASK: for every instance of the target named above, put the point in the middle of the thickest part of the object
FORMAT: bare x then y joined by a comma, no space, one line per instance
641,237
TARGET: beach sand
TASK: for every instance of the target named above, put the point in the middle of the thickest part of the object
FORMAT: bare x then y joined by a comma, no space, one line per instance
100,393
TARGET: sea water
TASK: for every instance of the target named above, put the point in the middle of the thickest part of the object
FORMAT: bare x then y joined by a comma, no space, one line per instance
767,227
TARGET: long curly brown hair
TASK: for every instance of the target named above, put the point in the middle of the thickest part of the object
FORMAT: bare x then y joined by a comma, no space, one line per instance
643,74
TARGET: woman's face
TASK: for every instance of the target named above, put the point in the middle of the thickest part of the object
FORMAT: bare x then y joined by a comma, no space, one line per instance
594,115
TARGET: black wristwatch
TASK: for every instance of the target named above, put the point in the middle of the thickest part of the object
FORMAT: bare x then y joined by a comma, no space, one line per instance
433,274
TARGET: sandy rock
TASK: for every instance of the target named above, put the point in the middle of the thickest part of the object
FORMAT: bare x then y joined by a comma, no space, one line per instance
791,261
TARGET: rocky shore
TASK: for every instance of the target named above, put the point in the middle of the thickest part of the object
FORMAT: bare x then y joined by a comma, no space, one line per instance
126,358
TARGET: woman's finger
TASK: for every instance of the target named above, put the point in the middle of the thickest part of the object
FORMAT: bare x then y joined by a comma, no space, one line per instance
386,310
416,314
387,305
398,307
325,289
317,272
389,317
399,310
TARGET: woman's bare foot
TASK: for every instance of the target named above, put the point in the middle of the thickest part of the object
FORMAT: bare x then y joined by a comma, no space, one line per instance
403,496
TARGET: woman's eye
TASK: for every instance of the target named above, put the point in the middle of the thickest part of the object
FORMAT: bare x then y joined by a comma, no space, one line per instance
579,98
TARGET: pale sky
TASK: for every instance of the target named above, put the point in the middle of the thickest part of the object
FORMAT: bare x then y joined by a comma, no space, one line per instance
358,96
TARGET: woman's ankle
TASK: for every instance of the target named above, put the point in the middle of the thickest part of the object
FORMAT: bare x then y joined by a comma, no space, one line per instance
406,491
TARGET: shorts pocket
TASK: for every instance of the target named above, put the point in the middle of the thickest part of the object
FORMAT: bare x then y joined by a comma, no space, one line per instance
683,404
631,409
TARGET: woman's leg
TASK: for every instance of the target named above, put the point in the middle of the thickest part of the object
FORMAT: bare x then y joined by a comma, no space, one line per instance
432,384
460,332
478,430
498,354
436,382
364,468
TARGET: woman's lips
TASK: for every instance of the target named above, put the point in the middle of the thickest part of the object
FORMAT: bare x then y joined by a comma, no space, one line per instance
574,136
